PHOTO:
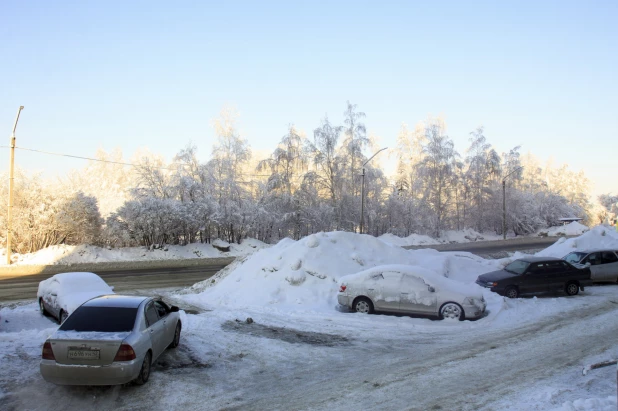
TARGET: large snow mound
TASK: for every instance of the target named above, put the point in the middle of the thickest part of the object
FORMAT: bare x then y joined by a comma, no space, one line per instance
598,237
304,274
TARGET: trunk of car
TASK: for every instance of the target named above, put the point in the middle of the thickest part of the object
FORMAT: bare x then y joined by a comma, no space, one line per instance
85,352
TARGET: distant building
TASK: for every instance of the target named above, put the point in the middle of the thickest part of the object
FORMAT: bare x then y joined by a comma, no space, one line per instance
568,220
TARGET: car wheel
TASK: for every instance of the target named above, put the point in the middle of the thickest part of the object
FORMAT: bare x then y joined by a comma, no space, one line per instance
451,311
176,339
42,307
144,372
571,289
363,305
63,316
511,292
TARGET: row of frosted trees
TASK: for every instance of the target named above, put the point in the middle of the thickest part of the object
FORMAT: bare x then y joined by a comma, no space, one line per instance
305,185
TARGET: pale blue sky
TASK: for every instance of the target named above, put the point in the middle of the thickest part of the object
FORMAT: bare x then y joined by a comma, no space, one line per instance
540,74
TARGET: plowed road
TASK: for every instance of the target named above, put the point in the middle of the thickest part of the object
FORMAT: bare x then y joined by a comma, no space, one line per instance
25,287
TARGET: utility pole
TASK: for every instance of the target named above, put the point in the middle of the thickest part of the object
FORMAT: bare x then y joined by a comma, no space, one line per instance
504,201
363,189
11,183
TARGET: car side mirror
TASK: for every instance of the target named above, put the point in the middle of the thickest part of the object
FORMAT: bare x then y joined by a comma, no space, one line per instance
588,264
174,309
431,289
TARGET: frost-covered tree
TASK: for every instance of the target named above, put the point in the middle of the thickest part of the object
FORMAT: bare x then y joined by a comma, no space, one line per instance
46,214
483,165
437,171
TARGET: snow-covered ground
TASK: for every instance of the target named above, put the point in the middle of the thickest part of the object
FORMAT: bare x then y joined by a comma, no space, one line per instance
70,254
469,235
302,351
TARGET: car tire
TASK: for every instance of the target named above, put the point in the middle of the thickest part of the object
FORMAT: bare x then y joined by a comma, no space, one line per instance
451,311
363,305
511,292
571,288
176,339
144,372
62,316
42,307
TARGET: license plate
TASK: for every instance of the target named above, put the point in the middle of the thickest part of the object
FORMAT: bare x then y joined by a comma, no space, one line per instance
84,354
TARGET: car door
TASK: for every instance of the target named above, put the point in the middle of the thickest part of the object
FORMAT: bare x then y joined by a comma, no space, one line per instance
558,273
164,315
596,266
51,299
156,330
610,265
535,279
416,297
387,293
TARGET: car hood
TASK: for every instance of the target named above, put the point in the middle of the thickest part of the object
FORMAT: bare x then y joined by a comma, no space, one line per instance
496,275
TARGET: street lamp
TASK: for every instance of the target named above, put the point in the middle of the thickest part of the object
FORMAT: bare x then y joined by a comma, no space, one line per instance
504,201
363,189
11,183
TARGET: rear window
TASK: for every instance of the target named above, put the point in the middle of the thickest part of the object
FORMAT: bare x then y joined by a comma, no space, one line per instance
101,319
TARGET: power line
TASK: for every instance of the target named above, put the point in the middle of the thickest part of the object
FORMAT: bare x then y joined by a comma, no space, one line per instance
85,158
115,162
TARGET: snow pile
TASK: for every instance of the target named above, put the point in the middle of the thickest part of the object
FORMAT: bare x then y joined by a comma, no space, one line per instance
465,236
412,239
69,254
573,228
449,236
305,274
598,237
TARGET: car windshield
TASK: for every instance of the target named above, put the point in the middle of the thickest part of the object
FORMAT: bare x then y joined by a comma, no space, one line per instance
517,267
574,257
101,319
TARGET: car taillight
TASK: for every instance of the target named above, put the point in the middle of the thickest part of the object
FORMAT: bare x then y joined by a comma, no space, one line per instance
48,353
125,353
342,288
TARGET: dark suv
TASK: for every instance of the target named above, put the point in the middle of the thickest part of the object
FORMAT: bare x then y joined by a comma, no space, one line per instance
536,275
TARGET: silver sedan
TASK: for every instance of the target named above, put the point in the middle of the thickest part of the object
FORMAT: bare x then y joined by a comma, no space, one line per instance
111,339
410,290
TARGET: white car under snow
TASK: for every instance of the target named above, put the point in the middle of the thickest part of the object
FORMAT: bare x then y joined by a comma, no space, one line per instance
61,294
411,290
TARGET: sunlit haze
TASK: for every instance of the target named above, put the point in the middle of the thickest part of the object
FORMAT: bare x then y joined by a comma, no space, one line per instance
540,75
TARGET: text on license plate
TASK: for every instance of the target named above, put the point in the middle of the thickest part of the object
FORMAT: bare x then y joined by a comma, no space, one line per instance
84,354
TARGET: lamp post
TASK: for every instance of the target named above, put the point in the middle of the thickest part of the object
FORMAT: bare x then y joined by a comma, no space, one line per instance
363,188
11,178
504,201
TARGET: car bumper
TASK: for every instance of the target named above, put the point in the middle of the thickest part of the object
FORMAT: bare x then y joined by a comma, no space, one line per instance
344,299
473,312
113,374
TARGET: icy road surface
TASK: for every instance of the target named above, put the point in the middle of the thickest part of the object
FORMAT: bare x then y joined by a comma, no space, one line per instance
526,354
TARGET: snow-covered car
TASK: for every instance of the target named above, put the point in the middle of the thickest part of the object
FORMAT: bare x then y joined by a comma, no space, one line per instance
61,294
603,263
411,290
111,339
